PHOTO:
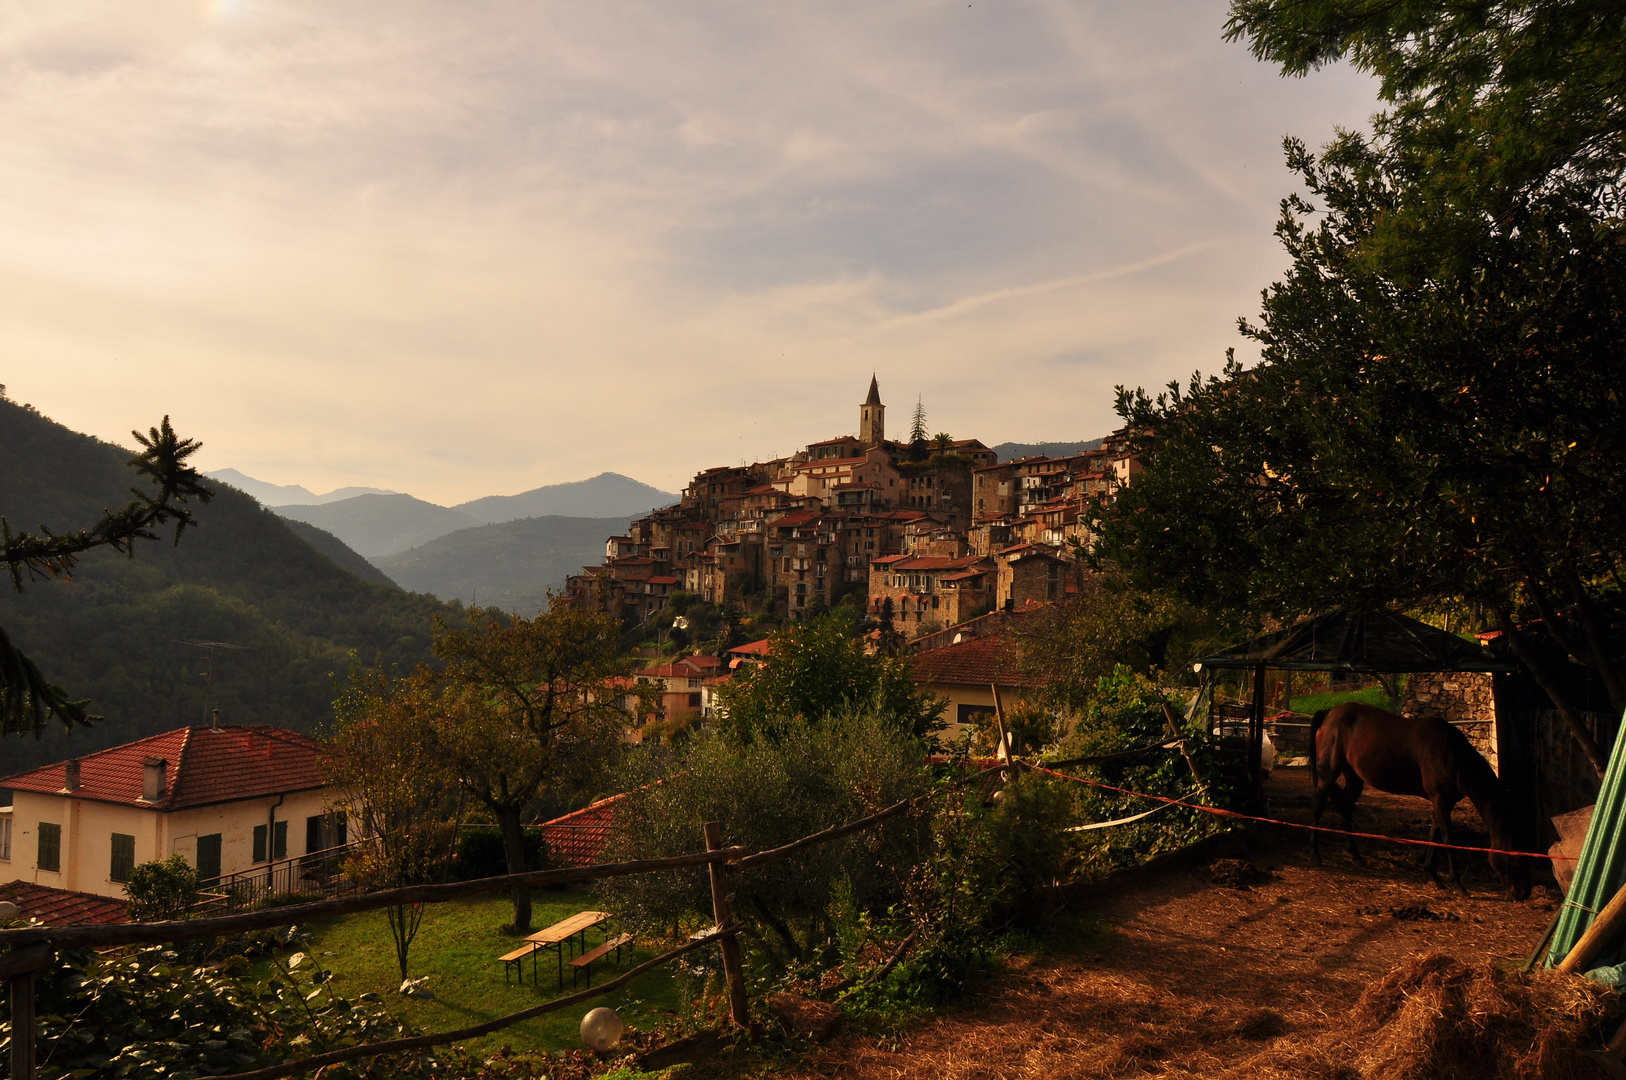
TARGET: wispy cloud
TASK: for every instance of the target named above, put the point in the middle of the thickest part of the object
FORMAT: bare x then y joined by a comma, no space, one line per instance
466,249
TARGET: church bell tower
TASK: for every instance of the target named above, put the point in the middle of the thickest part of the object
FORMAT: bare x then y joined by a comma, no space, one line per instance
872,417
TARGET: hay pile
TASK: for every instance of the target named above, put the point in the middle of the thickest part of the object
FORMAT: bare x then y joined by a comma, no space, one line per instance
1435,1018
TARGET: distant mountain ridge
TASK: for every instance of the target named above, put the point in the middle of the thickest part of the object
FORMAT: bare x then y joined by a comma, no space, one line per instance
378,524
509,565
606,495
270,494
1010,451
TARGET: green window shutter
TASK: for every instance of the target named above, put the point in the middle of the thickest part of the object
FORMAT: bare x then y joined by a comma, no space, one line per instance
209,857
279,849
259,843
50,854
123,857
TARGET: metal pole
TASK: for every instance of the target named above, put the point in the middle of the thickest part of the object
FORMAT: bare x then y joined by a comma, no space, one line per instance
1256,728
733,969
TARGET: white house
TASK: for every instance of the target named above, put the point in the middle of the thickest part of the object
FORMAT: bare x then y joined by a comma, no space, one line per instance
228,799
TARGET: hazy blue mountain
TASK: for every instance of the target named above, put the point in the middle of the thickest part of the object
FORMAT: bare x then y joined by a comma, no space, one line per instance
289,494
605,495
1010,451
377,525
337,550
509,565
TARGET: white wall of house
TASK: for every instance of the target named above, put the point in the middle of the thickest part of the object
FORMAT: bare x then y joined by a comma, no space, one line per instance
86,861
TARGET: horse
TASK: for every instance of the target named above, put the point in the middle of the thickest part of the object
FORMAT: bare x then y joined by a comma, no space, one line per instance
1424,758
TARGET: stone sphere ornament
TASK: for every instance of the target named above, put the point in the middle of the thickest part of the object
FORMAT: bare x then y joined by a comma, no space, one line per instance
601,1029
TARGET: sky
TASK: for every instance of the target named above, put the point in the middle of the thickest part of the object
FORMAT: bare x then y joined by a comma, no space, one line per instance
463,249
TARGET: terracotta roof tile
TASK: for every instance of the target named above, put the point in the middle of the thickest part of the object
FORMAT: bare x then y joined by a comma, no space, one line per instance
205,766
59,907
981,661
577,838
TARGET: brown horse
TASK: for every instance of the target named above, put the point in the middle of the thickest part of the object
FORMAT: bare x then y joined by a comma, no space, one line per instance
1428,759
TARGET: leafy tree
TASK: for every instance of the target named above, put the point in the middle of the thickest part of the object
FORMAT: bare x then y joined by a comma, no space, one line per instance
161,889
383,754
819,668
1507,94
1435,415
943,442
526,706
767,793
1406,441
1071,644
27,698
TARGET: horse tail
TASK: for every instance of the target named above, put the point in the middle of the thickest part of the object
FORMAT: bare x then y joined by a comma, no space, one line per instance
1315,726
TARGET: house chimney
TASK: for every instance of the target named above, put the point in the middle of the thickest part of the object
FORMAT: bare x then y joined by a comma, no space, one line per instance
70,780
153,779
214,722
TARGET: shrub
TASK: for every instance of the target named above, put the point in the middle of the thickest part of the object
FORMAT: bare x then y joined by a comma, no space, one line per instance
161,889
764,794
152,1015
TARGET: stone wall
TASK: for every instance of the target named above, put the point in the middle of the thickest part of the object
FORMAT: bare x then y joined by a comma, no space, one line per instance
1463,698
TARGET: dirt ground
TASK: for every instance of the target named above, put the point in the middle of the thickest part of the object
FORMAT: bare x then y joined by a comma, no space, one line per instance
1193,977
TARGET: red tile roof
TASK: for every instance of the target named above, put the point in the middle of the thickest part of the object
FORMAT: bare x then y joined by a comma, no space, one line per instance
204,766
662,580
754,648
982,661
59,907
577,838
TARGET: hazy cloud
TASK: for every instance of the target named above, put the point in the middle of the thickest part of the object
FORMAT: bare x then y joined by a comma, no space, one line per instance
466,249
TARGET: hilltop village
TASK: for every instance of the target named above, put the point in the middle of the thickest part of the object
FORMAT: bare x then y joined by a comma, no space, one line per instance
937,526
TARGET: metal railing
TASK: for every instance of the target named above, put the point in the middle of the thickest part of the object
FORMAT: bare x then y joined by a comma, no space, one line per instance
316,874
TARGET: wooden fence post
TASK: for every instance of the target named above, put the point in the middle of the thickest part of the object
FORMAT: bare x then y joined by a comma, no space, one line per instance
18,968
733,969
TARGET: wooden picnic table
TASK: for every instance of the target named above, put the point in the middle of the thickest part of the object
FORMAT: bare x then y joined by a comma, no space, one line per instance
562,934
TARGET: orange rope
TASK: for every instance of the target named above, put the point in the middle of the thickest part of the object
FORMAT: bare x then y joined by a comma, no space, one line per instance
1291,824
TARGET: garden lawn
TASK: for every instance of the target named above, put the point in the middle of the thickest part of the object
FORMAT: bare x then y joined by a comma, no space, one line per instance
1314,703
457,948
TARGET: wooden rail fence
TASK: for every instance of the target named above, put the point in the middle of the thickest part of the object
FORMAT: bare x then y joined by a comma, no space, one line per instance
33,949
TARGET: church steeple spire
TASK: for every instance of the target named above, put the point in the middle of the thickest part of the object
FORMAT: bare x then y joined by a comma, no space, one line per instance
872,416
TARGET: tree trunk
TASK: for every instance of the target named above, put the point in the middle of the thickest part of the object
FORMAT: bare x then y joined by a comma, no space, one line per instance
1550,687
1597,640
513,845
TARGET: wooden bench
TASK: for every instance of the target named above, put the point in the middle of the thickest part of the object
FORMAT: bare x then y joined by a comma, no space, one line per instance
584,962
516,959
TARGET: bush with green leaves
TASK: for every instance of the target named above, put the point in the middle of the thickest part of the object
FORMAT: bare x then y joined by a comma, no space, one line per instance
151,1014
819,668
161,889
765,793
1124,712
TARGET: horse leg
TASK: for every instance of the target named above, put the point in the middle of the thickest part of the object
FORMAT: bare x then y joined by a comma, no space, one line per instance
1318,806
1353,786
1448,836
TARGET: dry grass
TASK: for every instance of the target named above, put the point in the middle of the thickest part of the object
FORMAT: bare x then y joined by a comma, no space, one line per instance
1436,1018
1309,972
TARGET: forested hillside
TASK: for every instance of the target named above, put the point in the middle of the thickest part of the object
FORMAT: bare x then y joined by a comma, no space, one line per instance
117,632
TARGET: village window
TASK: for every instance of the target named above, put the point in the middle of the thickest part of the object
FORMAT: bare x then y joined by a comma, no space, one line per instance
5,838
279,842
123,857
694,701
208,858
50,853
